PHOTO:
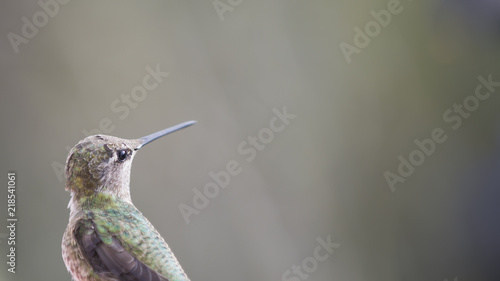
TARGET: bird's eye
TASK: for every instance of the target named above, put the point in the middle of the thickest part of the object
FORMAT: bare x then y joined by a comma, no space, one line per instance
122,155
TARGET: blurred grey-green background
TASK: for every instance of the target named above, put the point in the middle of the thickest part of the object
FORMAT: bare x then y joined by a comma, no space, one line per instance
70,67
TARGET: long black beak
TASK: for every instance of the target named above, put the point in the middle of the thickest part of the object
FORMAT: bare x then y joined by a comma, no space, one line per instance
149,138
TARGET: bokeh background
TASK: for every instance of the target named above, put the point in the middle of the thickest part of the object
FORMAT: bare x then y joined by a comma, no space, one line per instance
323,175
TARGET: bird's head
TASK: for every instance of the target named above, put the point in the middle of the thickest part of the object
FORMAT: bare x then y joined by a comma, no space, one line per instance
101,164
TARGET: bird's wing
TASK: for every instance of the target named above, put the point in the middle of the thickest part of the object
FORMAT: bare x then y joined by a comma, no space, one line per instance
108,258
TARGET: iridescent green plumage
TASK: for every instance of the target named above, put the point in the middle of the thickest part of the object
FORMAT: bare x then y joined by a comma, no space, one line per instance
107,238
110,218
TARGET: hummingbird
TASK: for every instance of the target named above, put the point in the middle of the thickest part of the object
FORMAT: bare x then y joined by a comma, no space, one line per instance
107,237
